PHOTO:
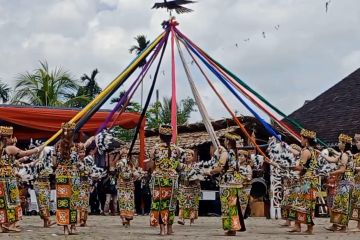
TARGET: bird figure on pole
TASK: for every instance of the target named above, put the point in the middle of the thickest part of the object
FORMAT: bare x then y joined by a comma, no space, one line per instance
174,5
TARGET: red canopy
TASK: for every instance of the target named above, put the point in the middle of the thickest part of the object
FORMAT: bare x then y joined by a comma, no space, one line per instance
43,122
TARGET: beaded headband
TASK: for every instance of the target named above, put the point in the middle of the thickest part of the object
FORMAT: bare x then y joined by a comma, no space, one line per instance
296,147
243,152
68,125
345,138
6,131
165,130
232,136
307,133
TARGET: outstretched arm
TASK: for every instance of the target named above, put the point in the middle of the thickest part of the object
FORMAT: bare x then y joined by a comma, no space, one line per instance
18,153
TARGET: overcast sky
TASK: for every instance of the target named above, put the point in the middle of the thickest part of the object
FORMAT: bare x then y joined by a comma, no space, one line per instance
303,51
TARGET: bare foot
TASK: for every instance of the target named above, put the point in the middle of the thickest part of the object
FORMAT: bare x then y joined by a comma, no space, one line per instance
181,222
294,230
230,233
285,225
354,230
331,228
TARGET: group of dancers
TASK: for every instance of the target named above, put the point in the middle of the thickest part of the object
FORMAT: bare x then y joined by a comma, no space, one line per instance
175,179
301,183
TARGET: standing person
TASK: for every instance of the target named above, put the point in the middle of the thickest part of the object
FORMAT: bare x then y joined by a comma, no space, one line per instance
84,186
303,211
165,157
42,192
232,195
340,213
87,172
189,191
109,184
146,193
67,179
10,209
355,197
127,174
290,182
246,171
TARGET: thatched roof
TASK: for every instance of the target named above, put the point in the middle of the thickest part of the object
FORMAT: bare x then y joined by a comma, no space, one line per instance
193,135
335,111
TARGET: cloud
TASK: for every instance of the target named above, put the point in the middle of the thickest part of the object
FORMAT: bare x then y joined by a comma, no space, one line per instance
309,52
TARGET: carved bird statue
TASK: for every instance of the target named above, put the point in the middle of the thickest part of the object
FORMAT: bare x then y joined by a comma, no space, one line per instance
175,5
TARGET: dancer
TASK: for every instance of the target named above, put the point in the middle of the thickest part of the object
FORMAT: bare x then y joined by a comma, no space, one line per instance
289,180
232,195
189,191
303,211
165,157
355,196
10,209
67,180
42,192
341,206
127,174
88,172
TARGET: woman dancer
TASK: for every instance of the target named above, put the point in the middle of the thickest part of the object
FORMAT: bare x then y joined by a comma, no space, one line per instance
67,180
165,156
10,209
189,191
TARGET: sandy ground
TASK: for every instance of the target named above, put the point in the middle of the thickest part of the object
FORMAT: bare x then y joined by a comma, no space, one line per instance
101,227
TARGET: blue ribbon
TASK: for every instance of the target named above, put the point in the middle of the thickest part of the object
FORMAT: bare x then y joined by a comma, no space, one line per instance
267,126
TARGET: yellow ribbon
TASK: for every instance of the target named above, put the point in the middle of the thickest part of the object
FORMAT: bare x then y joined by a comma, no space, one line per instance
111,86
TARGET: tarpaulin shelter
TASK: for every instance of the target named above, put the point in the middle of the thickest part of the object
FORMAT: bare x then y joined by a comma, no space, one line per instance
43,122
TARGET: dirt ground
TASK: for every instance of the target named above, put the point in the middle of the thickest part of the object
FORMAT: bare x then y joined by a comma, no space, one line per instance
108,227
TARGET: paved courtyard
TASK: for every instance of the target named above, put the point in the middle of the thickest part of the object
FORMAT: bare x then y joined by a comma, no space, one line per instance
101,227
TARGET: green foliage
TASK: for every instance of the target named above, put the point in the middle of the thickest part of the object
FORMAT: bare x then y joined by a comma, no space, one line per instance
4,92
91,87
87,92
142,44
160,113
131,107
45,87
124,134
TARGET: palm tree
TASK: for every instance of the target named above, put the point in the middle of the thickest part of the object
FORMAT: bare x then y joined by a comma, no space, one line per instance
131,107
91,88
160,113
45,87
142,44
4,92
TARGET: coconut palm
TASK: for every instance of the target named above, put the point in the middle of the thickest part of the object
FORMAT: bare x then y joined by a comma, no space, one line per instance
4,92
160,113
45,87
91,88
131,107
142,44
